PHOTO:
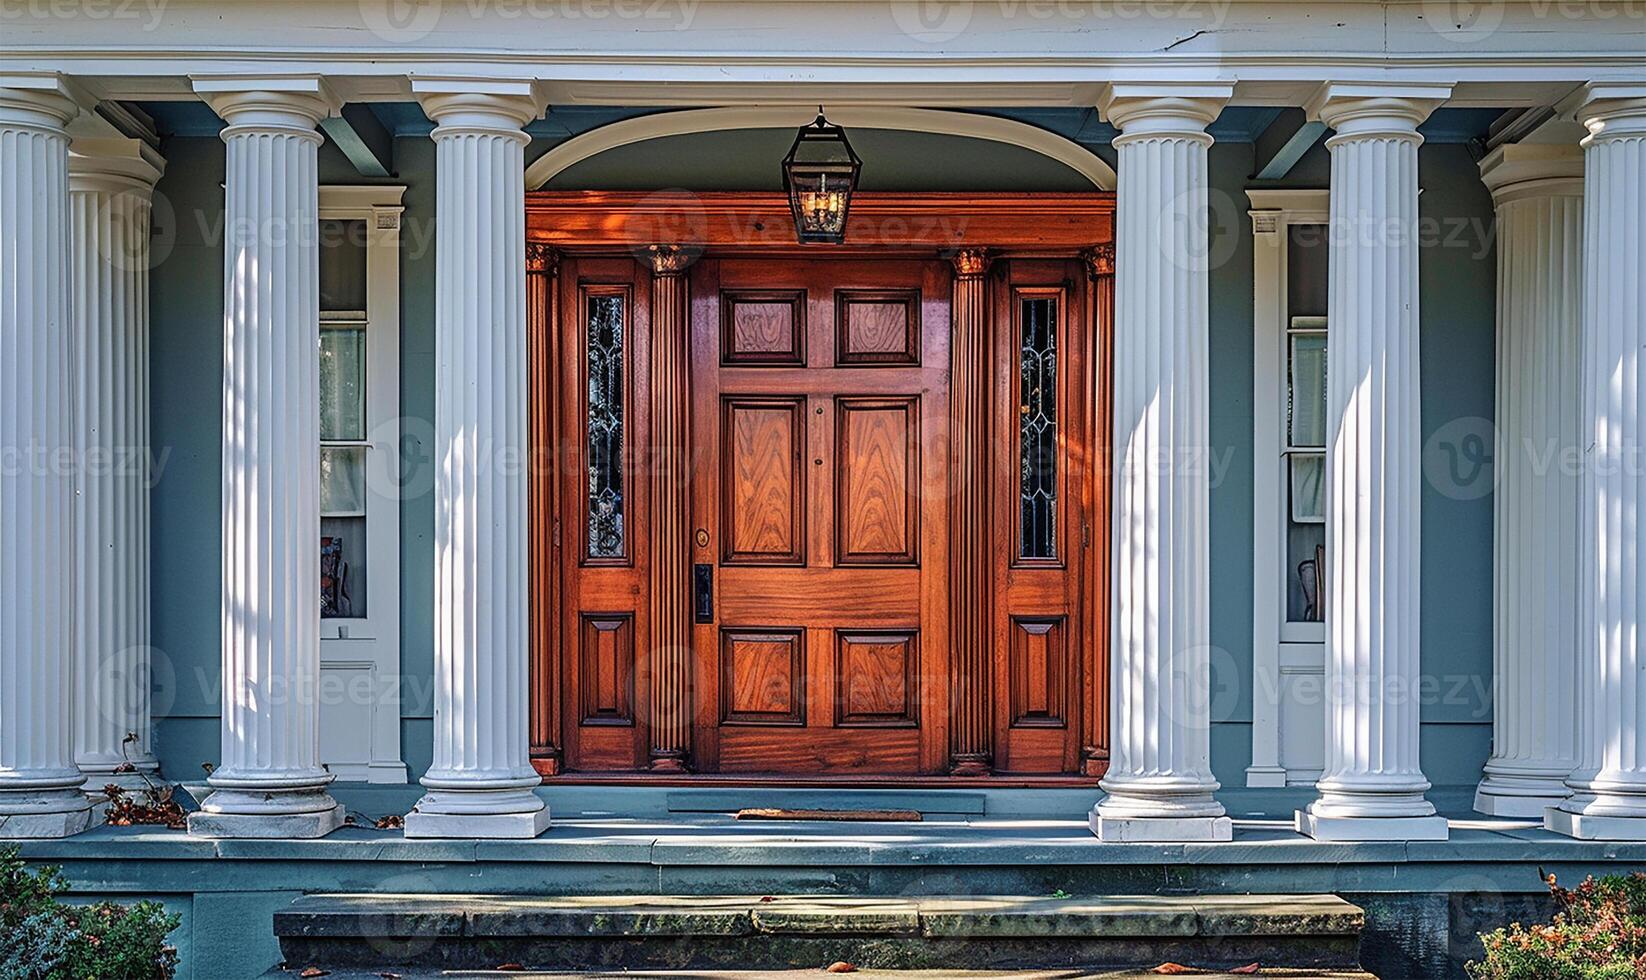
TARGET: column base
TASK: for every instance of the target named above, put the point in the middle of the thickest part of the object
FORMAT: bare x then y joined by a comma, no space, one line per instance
1267,777
37,815
1371,828
294,826
1160,830
1514,805
1583,826
489,826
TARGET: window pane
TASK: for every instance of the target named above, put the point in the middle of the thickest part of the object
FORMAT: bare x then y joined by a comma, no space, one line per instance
343,382
342,265
1308,488
1305,572
605,426
342,567
342,481
1037,432
1308,391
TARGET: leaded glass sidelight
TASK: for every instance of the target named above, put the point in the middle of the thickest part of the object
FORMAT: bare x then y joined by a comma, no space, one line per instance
1037,427
605,419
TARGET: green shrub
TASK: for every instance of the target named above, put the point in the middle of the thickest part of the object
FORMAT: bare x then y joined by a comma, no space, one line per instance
41,938
1599,933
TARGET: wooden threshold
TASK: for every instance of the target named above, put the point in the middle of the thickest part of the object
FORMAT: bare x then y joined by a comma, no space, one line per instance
778,781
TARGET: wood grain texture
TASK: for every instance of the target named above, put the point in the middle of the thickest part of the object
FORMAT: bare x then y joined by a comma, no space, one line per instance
763,677
971,608
542,354
1038,671
763,446
670,530
763,327
606,660
1099,265
877,460
877,679
877,326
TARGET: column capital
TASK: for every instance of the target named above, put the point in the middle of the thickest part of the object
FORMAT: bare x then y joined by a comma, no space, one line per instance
37,100
1099,260
466,104
541,257
1164,110
1516,171
1613,110
670,260
1375,111
269,103
114,164
970,263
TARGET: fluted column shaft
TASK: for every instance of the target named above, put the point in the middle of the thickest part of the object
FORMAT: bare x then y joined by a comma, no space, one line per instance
1373,787
971,566
670,700
1608,800
1159,783
481,780
39,784
270,782
111,186
1538,191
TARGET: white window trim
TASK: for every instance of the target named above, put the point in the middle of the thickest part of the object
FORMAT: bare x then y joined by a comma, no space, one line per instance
369,646
1279,648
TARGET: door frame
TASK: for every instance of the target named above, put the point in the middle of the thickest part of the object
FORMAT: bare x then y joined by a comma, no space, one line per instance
660,228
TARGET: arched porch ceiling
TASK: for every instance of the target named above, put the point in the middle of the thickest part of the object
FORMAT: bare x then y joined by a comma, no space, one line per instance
641,128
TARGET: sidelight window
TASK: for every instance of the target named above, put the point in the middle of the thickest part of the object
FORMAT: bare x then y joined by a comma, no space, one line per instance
605,413
1037,426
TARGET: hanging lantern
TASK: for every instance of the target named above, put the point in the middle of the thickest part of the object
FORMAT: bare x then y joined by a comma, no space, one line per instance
820,174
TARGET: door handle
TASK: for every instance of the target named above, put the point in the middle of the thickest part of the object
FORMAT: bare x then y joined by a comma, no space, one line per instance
703,593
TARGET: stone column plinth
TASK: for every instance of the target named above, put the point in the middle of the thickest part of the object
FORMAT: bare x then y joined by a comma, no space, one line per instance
481,782
1159,783
270,782
1608,800
40,792
1372,787
111,187
1538,192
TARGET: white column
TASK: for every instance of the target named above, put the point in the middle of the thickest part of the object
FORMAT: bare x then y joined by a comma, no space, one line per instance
39,785
1159,782
270,782
481,781
1538,191
1372,787
111,187
1608,800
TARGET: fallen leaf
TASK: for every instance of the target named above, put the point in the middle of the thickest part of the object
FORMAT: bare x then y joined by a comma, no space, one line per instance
1174,969
393,821
767,898
389,976
315,971
840,966
1247,970
511,966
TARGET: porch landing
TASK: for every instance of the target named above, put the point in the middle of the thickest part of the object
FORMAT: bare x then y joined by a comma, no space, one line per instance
1424,901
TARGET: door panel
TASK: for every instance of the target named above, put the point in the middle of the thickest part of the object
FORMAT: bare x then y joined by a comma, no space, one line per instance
818,386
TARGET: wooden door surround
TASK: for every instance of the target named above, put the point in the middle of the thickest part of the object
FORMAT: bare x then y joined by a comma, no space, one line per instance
819,429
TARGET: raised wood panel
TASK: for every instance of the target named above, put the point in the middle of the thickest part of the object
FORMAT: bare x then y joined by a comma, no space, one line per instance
1039,667
763,485
877,679
606,668
763,327
877,456
877,327
762,677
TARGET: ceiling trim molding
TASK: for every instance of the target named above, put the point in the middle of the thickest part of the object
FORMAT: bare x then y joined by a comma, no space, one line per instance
678,123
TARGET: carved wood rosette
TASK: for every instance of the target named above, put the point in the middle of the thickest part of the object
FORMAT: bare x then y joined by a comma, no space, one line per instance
971,630
670,689
542,354
1094,754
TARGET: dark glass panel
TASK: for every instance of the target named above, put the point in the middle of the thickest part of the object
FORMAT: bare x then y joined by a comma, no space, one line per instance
606,537
1037,428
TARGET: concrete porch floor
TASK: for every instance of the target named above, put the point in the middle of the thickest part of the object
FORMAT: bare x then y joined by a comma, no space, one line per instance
1424,901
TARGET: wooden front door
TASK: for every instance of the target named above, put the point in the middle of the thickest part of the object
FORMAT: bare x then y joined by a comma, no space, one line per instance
819,514
819,415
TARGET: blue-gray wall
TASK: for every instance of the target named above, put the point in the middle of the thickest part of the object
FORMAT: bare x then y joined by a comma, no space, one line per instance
1457,338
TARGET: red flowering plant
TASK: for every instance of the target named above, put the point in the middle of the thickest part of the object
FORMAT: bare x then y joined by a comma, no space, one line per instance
1598,933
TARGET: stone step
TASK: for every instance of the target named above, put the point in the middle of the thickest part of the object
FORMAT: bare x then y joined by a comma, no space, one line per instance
802,931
